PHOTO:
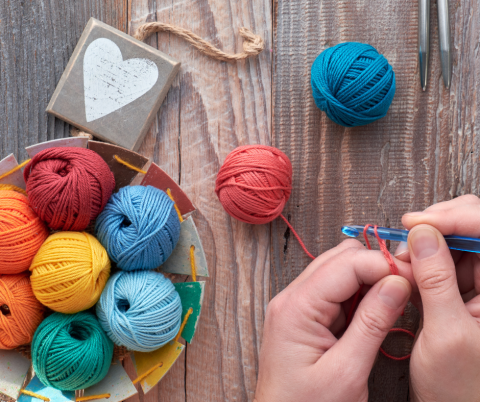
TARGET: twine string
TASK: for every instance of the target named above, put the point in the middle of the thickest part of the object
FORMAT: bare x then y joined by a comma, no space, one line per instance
92,397
252,44
192,263
128,165
169,193
34,395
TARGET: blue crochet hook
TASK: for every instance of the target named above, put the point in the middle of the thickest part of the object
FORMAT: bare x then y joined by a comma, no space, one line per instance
453,242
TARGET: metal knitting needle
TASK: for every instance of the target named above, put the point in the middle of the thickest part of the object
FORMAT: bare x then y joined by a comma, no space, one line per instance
445,45
424,39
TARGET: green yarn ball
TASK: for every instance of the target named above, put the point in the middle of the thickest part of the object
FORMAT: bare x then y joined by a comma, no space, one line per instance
71,352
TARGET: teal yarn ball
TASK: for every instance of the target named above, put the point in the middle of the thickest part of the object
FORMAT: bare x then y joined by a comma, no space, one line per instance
71,352
353,84
139,227
140,310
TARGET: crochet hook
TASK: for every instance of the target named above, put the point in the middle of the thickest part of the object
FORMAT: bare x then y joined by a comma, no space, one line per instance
469,244
423,40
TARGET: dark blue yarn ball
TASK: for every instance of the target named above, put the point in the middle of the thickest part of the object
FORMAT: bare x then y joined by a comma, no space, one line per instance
353,84
139,227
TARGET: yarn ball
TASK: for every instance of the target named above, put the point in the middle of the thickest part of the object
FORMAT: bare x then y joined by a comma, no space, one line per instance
11,187
140,310
139,227
70,271
71,352
20,312
68,187
254,183
21,233
353,84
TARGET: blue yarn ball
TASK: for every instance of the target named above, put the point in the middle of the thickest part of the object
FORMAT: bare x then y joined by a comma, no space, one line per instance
140,310
353,84
139,227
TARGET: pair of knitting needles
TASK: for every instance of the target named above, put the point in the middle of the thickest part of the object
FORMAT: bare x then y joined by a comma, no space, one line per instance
424,40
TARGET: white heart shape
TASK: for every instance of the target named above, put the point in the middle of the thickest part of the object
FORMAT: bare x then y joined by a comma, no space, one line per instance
111,83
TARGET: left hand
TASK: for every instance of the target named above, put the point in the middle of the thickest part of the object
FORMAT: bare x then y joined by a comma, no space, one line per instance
302,358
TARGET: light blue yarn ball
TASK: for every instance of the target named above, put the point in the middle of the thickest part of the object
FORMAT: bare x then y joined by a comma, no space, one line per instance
140,310
139,227
353,84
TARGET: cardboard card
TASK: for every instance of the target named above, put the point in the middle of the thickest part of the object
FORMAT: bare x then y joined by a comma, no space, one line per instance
15,178
167,355
80,142
117,383
191,295
13,369
51,393
179,260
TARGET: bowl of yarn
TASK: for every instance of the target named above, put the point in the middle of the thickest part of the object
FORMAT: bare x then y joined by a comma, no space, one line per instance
70,271
68,186
139,227
140,310
20,312
21,232
71,352
353,84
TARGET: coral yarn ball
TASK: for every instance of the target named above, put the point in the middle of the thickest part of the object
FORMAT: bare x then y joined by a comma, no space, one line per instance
353,84
68,187
20,312
21,233
254,183
70,271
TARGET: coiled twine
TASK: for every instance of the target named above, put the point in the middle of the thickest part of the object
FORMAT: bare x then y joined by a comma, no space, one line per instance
21,313
70,271
21,233
140,310
139,227
71,352
254,183
68,187
353,84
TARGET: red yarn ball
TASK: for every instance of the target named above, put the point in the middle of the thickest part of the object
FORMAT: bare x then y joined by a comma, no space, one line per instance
254,183
68,187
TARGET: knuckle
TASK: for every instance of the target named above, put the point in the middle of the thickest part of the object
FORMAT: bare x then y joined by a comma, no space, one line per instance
435,280
469,199
373,324
276,307
352,243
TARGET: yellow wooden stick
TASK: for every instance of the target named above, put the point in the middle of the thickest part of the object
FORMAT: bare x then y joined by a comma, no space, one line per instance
192,263
34,395
180,217
14,169
147,373
92,397
190,311
130,166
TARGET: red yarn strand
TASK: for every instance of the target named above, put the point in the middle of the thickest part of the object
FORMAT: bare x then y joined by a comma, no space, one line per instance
298,237
406,331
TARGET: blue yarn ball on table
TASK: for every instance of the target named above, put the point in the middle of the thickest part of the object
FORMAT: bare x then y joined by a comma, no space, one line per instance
353,84
139,227
140,310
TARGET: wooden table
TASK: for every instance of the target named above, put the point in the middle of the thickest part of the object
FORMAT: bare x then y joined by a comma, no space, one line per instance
425,151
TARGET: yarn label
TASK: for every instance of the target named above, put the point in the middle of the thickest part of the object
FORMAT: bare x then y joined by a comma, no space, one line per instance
167,355
13,370
117,383
51,393
191,295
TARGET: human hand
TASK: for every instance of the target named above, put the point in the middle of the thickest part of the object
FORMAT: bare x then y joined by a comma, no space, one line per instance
302,358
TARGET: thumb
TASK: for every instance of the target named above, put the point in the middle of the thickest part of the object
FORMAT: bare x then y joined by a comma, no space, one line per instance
375,316
434,272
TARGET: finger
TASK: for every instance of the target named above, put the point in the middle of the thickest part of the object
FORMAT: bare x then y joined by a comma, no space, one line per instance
374,317
434,273
454,203
402,252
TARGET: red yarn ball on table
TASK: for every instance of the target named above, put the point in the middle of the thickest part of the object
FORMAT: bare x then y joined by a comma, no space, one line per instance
254,183
68,187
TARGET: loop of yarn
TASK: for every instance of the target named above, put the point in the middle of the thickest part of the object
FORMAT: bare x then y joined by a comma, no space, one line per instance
139,227
70,271
71,352
21,233
353,84
254,183
21,313
68,187
140,310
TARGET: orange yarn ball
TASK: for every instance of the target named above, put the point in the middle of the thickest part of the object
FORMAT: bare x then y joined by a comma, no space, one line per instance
21,233
20,312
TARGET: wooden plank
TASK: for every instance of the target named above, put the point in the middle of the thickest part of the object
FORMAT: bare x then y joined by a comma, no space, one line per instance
426,150
37,39
211,108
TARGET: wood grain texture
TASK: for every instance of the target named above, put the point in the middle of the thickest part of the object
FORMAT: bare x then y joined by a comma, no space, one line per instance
426,150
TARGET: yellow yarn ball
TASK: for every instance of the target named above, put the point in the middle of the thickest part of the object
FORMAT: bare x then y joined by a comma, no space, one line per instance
69,272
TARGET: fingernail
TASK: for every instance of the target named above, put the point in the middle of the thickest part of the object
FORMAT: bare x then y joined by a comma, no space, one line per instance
424,243
401,249
394,292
